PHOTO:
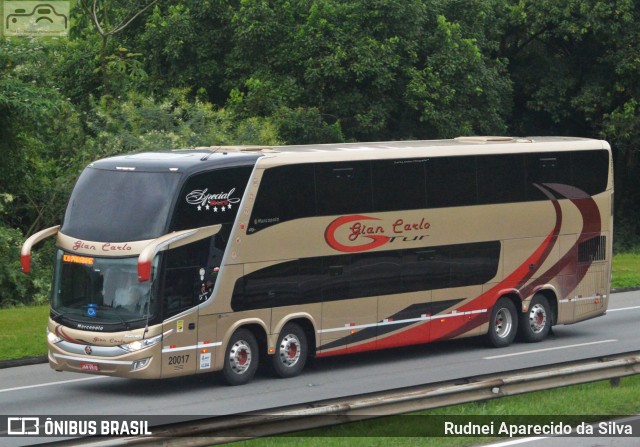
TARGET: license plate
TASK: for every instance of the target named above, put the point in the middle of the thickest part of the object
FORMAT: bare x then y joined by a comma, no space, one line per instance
86,366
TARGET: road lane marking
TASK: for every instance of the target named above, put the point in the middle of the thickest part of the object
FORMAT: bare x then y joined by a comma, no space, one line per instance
27,387
549,349
623,308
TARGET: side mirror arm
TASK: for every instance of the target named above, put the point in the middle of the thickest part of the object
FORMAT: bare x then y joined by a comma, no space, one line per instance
25,254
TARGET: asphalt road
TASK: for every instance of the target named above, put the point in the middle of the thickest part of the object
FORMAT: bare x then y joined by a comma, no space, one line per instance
38,390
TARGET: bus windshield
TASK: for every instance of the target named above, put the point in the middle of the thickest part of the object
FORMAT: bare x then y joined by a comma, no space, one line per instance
101,292
117,206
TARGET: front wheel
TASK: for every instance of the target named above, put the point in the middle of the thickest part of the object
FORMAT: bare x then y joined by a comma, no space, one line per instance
535,324
503,324
291,351
241,358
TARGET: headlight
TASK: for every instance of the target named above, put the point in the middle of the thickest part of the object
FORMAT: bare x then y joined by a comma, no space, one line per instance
142,344
53,338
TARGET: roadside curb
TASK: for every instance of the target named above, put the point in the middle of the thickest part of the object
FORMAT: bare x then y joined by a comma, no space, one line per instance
625,289
25,361
43,358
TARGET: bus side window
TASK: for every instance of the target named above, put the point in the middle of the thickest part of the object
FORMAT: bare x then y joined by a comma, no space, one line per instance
210,198
181,281
590,171
451,181
553,167
343,188
286,193
500,178
399,185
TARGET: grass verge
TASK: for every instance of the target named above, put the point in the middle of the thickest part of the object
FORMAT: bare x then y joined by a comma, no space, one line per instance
22,332
588,403
626,270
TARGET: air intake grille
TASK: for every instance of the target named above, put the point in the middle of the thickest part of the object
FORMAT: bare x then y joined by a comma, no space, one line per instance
593,249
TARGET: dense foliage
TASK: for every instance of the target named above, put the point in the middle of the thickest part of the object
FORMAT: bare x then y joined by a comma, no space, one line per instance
149,74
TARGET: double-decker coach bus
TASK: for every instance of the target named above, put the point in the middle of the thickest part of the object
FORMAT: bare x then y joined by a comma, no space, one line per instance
179,262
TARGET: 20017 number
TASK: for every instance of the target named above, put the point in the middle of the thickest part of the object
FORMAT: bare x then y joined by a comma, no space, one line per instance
178,359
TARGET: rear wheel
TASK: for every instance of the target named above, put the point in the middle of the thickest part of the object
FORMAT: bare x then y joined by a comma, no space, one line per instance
291,351
535,324
503,324
241,358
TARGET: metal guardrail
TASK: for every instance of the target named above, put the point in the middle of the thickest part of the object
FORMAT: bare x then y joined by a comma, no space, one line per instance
225,429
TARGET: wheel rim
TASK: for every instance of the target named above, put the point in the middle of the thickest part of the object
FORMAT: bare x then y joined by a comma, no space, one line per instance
240,357
537,318
289,351
503,323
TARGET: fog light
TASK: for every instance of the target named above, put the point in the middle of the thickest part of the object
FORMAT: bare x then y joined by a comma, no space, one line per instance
139,364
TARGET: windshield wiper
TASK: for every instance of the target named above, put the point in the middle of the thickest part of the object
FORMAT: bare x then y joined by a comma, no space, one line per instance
122,320
58,317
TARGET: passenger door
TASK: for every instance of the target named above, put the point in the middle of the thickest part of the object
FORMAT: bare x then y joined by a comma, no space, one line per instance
184,286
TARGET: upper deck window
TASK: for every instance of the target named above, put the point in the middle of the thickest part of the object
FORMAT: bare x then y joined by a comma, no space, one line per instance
210,198
343,188
323,189
399,184
117,206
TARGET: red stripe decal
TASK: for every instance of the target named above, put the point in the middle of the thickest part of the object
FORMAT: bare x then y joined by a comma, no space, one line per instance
455,326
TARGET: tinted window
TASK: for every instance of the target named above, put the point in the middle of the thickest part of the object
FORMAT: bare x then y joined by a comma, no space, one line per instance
378,273
211,198
451,181
343,188
286,193
554,167
501,178
473,263
590,170
284,284
399,185
181,283
118,206
425,269
333,278
366,274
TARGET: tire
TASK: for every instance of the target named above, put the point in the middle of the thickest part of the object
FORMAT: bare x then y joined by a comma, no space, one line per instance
536,323
503,324
291,351
241,358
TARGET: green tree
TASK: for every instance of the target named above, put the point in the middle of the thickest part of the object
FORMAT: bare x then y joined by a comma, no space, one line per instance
110,18
141,122
382,69
575,67
38,127
17,289
184,43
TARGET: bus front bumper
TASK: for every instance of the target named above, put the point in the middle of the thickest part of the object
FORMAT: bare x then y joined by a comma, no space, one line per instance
135,365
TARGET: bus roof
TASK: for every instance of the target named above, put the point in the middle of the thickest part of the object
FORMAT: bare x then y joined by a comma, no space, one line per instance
181,161
425,148
216,157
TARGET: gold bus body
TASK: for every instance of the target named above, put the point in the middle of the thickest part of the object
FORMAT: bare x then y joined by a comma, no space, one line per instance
538,243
